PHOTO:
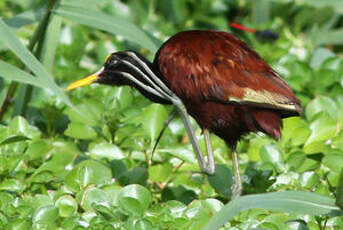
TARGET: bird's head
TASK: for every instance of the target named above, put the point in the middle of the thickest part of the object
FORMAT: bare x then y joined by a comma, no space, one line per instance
111,73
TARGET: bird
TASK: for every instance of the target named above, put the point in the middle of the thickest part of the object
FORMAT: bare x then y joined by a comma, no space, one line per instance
263,34
214,77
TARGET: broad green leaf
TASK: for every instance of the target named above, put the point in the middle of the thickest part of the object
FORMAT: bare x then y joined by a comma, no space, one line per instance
153,120
93,172
182,152
108,23
160,172
47,213
334,160
222,180
271,153
106,150
296,159
287,201
319,56
323,128
94,196
80,131
67,206
38,149
321,104
143,225
19,224
137,175
12,185
134,199
309,179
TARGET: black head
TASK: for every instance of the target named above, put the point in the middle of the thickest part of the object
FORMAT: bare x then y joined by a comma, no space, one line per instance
115,71
110,73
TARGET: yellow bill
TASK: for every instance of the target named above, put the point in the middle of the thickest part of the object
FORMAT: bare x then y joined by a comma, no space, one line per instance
85,81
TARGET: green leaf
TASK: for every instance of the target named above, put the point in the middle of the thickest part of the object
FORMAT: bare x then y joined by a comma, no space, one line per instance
24,18
136,175
319,56
12,185
11,42
67,205
309,179
160,173
323,128
222,180
93,172
80,131
13,73
287,201
331,37
106,150
13,139
334,160
321,104
92,197
134,199
271,153
296,159
51,41
38,149
47,213
108,23
153,120
143,225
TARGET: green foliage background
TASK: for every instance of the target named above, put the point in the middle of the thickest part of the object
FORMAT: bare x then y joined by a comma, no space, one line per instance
83,160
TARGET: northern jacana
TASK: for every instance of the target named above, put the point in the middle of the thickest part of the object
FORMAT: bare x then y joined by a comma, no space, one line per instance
215,77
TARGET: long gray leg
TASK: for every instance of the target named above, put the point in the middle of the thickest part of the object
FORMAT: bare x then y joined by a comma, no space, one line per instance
237,187
206,167
210,158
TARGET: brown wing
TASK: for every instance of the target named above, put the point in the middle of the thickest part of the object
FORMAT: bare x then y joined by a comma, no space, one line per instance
211,65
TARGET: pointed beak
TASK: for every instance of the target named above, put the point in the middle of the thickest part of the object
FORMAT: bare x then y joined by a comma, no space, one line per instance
85,81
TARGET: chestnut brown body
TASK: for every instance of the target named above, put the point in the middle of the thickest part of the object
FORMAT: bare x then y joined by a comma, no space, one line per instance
226,86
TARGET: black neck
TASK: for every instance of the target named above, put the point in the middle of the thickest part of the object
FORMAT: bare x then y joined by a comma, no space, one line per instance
115,70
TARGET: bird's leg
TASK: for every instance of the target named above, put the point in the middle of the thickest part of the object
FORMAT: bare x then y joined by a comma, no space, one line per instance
206,167
237,187
210,158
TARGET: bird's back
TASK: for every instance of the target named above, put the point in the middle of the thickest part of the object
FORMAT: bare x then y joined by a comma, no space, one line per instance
219,77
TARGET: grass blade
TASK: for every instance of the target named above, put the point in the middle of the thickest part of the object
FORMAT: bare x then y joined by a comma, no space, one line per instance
25,18
108,23
45,79
13,73
51,42
287,201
